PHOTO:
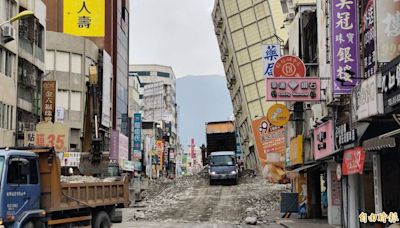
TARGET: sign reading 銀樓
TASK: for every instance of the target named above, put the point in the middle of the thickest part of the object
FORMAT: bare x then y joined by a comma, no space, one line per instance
345,46
391,86
49,92
137,136
293,89
84,17
271,53
289,66
366,101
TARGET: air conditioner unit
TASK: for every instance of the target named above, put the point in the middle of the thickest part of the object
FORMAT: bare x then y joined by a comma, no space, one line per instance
8,33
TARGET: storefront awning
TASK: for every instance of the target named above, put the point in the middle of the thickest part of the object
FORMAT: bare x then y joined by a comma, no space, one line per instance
303,168
377,143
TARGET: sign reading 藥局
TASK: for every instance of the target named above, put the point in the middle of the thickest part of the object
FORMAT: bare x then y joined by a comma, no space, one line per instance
366,101
84,17
345,46
271,53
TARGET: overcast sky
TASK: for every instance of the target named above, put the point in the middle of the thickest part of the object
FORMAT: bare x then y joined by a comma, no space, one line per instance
176,33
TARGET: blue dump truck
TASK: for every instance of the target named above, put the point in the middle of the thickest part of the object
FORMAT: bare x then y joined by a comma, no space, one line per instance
33,195
221,146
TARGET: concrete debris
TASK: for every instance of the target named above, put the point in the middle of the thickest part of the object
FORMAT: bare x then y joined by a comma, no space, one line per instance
86,179
251,220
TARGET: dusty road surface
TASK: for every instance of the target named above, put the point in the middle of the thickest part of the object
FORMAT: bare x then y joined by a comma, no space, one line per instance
192,202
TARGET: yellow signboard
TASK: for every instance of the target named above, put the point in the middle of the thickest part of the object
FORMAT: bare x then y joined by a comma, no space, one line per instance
296,150
52,135
278,115
84,17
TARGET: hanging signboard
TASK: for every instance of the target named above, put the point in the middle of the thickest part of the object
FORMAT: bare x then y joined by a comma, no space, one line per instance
391,86
345,46
344,135
388,32
353,161
278,115
293,89
368,34
84,17
137,136
366,100
52,135
49,92
323,140
296,151
289,66
271,53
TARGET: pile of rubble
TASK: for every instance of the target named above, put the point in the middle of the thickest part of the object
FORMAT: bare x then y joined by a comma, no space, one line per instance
77,179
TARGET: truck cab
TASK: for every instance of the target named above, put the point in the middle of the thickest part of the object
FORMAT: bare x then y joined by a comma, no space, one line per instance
20,188
223,166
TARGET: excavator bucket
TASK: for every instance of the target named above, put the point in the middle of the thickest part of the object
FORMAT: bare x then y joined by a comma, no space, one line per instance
91,167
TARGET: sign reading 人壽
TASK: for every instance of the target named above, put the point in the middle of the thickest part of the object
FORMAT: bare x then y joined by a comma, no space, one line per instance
84,17
271,53
49,92
345,46
289,66
293,89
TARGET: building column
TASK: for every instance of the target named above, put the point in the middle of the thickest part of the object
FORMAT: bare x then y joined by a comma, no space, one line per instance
334,196
353,200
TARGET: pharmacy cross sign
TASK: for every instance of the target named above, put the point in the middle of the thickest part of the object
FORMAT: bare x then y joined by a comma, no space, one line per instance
345,51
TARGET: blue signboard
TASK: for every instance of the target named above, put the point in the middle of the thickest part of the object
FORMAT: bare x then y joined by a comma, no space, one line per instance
137,136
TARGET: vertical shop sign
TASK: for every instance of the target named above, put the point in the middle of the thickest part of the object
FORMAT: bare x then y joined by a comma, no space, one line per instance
345,46
137,136
368,34
49,90
271,53
336,190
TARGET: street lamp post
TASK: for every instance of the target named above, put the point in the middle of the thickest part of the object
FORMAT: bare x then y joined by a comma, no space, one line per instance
21,15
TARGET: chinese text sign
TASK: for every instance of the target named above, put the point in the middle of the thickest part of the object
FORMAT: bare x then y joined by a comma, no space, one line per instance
345,46
271,54
49,100
388,29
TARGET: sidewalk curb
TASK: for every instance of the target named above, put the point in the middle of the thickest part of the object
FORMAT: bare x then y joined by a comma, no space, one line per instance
282,224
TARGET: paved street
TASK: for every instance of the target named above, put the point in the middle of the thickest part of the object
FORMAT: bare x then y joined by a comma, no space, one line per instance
186,225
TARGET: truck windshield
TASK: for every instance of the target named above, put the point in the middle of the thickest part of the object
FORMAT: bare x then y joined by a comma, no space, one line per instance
222,160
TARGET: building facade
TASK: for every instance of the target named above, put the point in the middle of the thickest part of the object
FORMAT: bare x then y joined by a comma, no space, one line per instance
135,93
241,28
68,64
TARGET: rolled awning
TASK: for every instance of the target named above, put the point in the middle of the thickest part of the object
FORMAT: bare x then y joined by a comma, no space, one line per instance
377,143
303,168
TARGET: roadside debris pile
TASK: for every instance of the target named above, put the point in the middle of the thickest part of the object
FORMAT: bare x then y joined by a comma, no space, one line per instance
85,179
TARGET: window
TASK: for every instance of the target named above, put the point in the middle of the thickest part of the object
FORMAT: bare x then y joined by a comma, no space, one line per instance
22,171
76,63
251,92
62,99
6,62
62,61
49,60
142,73
258,69
230,7
238,40
260,11
1,115
11,117
255,109
243,4
234,22
75,101
243,57
163,74
252,34
247,74
265,29
9,63
248,16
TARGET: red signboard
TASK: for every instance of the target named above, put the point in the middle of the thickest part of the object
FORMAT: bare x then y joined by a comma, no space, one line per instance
289,66
353,161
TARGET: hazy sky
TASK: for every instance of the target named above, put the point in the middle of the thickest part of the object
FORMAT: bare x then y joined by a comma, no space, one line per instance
176,33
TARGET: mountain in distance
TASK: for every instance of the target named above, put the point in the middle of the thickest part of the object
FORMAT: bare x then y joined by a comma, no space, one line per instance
201,99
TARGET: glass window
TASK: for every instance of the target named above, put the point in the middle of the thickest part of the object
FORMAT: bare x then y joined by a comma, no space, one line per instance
244,4
258,69
88,63
76,63
11,117
252,34
265,30
243,57
75,101
255,109
142,73
230,7
9,64
2,61
261,88
49,60
234,22
238,40
1,115
222,160
33,172
62,61
163,74
251,92
248,16
247,74
18,170
6,116
62,99
255,51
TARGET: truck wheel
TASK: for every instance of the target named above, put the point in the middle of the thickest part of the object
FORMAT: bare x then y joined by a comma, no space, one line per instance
102,220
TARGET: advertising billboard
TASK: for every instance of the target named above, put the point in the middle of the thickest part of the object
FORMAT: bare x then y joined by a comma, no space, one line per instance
49,93
293,89
323,140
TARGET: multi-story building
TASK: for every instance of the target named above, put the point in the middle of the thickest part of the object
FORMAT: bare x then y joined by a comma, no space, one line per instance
31,67
115,43
135,93
241,27
8,74
68,64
